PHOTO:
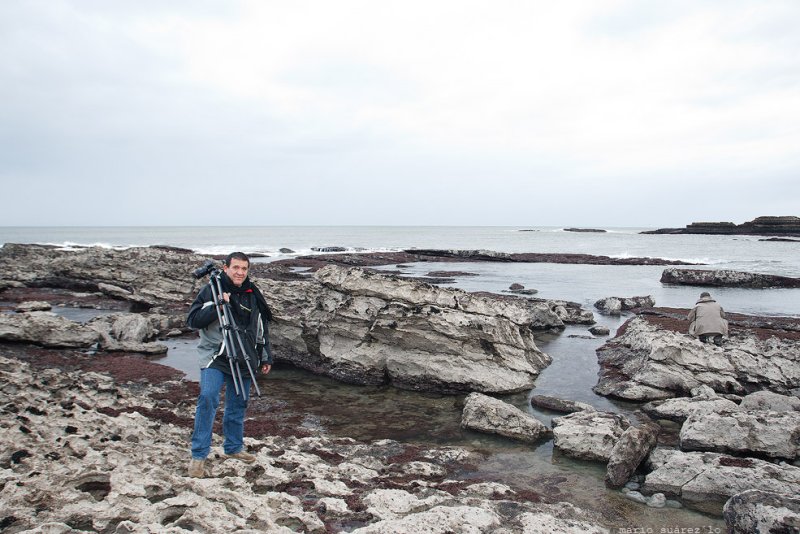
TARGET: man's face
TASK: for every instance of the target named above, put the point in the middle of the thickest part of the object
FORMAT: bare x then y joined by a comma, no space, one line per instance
237,271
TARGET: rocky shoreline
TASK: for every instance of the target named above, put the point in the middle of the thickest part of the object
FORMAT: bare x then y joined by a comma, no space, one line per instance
86,413
88,447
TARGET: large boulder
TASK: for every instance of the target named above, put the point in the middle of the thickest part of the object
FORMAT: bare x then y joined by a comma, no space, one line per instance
633,446
645,362
589,435
752,433
487,414
363,327
704,481
762,511
725,278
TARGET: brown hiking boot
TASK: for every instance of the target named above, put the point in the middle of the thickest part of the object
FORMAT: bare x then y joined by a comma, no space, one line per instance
245,457
197,468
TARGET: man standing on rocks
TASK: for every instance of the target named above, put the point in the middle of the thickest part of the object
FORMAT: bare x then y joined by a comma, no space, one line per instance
707,320
251,313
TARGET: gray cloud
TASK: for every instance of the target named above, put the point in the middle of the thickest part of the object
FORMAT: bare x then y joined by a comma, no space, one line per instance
357,113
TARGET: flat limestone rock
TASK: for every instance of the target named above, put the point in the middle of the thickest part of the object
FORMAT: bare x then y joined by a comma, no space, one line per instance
767,433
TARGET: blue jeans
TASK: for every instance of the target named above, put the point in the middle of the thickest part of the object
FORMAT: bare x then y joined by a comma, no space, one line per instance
211,382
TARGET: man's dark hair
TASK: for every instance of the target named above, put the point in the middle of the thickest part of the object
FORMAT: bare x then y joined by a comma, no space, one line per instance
237,256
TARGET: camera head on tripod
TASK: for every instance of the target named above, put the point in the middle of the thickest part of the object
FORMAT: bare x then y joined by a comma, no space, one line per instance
205,269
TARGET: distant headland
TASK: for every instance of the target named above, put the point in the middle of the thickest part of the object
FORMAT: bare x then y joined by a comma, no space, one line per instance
768,226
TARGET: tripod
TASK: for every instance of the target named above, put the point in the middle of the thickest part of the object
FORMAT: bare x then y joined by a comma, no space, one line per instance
232,342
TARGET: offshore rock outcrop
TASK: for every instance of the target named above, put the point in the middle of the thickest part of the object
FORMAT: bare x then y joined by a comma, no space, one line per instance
362,327
768,226
726,278
81,452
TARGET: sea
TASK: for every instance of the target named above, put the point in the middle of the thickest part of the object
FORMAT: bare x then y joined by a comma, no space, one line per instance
383,412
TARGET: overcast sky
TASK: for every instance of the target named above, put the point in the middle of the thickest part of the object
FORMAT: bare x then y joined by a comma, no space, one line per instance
588,113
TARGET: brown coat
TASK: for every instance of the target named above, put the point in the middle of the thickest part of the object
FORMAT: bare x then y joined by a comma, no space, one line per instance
707,317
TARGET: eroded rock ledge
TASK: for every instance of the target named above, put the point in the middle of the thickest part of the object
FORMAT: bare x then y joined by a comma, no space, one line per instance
652,358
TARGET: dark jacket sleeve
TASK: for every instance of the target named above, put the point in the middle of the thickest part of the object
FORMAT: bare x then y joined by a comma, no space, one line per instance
202,311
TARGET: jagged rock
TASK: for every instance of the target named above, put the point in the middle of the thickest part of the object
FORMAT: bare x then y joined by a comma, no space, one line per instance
487,414
615,305
704,481
363,327
769,401
599,330
762,511
773,434
46,329
725,278
33,305
632,447
559,405
588,435
645,362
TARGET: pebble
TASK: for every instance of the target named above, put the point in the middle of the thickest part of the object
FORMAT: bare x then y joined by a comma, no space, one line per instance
673,504
657,500
633,485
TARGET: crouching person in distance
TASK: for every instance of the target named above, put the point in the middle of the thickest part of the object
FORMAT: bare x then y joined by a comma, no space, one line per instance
251,314
707,320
